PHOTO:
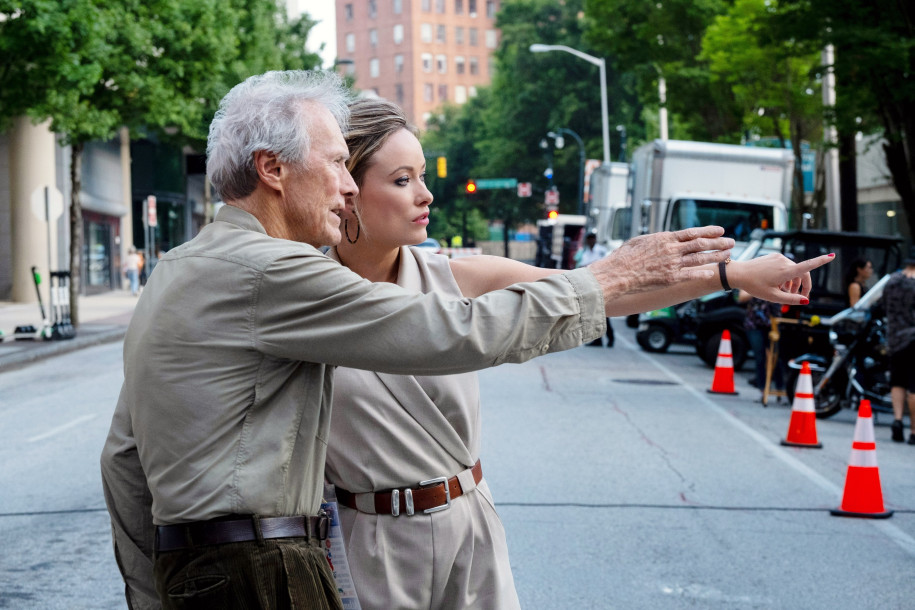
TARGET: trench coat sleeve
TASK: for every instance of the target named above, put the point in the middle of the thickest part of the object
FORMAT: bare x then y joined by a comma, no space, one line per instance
130,508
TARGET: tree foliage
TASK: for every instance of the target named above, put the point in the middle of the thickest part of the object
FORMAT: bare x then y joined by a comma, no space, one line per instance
498,134
875,73
154,66
775,84
652,39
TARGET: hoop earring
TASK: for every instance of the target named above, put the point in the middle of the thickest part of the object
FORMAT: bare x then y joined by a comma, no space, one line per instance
346,231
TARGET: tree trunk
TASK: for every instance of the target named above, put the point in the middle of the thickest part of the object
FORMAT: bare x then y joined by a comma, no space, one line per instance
900,158
76,229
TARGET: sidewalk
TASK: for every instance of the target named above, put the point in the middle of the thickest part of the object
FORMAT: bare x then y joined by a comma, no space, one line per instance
103,318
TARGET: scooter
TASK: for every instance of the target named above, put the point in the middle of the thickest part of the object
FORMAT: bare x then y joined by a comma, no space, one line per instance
859,367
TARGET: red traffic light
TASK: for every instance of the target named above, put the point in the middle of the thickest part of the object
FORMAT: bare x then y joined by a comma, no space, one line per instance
552,214
471,187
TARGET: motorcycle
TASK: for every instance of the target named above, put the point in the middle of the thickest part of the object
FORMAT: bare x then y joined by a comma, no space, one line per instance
859,368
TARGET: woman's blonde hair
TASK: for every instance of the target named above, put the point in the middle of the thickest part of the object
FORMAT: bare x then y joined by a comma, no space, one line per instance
371,123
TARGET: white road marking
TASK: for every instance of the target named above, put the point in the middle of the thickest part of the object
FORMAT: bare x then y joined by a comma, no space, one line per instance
902,539
61,428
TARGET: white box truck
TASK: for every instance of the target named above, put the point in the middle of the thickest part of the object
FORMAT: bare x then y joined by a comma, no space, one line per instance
609,208
678,184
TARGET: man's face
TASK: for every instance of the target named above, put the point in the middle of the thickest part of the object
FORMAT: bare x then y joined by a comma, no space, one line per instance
315,195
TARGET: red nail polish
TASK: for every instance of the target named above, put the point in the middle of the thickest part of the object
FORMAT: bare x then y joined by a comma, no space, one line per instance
805,301
832,255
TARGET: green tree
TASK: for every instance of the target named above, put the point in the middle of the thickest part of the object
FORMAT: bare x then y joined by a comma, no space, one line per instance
874,64
653,39
158,66
774,83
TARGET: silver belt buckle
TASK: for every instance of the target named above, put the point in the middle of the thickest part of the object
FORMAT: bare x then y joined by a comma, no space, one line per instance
438,481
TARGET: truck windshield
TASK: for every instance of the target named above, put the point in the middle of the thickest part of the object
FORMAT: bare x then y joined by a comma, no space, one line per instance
737,218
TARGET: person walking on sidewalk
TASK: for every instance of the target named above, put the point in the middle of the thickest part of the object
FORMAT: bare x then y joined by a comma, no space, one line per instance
592,251
899,303
214,463
132,270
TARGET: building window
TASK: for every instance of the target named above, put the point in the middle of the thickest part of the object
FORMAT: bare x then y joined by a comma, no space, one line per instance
398,93
425,32
398,63
472,7
491,8
427,6
458,66
460,94
350,43
472,91
373,67
491,65
441,63
440,33
458,7
474,35
373,9
474,65
398,34
427,62
492,39
459,35
348,12
398,7
427,92
443,93
440,6
373,37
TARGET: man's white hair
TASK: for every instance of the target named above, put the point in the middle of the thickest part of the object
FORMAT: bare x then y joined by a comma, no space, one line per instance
268,112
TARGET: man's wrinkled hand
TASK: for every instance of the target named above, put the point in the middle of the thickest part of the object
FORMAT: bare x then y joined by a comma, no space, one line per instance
663,259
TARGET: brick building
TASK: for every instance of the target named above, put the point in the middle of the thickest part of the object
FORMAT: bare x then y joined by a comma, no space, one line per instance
418,53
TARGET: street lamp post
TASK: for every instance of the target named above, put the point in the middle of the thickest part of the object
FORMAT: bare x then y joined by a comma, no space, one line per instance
600,63
581,161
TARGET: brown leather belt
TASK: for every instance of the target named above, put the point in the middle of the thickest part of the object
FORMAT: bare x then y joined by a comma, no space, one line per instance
431,496
241,529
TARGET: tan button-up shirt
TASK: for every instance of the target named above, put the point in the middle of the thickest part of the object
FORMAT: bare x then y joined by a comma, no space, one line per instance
228,371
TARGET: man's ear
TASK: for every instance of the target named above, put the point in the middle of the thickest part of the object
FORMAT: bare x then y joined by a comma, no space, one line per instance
269,169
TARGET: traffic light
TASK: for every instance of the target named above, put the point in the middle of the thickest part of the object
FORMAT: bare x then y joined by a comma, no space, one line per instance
471,187
441,165
552,211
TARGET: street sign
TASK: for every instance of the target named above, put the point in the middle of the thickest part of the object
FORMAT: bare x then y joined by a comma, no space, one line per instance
497,183
552,197
152,218
47,203
525,189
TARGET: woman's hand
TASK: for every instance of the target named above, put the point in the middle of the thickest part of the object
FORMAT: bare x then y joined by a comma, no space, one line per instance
775,277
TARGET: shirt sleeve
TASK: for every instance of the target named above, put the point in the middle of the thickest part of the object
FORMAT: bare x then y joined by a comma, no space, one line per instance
319,311
130,509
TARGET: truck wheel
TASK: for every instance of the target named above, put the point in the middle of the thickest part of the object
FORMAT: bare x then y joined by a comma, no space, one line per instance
709,352
656,339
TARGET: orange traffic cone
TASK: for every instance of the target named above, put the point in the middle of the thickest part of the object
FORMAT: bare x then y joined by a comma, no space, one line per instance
723,381
862,496
802,429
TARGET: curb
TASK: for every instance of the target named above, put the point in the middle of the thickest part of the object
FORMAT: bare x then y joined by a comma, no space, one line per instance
50,349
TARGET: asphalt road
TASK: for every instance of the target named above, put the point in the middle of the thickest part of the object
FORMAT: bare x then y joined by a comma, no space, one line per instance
621,482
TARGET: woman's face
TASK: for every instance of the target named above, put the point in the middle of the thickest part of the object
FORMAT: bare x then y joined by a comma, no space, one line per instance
867,270
393,200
